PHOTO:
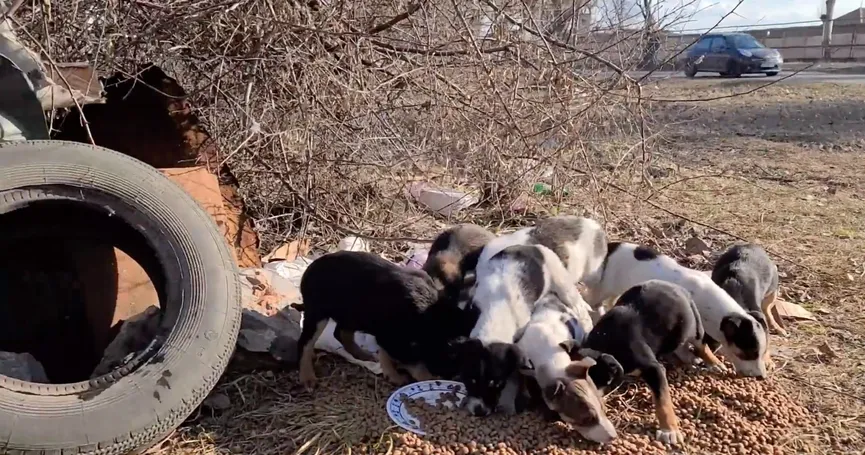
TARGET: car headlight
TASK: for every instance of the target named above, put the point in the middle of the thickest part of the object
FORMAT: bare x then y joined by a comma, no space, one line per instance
745,52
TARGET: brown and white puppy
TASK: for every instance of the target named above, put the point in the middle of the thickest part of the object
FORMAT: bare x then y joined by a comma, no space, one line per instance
562,316
743,339
413,326
650,320
454,255
580,243
510,285
747,273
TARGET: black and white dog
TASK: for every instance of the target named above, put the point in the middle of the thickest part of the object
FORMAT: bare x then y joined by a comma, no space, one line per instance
743,339
651,320
580,243
510,284
414,326
747,273
562,316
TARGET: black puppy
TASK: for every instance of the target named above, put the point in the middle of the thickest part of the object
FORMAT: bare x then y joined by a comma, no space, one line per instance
747,273
653,319
486,370
399,306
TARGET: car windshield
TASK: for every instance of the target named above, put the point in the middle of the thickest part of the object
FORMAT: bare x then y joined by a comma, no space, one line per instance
745,42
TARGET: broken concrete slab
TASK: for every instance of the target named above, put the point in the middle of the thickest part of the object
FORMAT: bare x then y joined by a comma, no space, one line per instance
135,334
269,324
22,366
277,334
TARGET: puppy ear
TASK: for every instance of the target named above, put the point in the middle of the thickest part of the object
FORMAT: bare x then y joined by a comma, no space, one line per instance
730,325
760,317
579,369
570,346
612,375
554,390
456,348
522,362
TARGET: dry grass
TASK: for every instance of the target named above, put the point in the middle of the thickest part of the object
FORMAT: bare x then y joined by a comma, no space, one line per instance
347,415
803,203
324,112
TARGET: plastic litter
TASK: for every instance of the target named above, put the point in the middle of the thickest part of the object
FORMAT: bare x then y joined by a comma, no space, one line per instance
442,201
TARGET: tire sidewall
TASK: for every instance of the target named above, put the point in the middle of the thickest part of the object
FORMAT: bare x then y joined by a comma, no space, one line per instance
119,414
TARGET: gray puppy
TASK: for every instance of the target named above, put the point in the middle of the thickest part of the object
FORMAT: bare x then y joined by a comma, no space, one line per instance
747,273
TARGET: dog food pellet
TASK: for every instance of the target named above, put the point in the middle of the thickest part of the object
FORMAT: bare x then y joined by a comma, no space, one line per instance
721,415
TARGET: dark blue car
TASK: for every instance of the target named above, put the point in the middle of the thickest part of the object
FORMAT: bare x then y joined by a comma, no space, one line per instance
731,55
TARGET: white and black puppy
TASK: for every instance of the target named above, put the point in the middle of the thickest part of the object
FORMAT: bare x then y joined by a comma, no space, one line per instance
453,257
651,320
562,316
509,285
747,273
414,327
743,338
580,243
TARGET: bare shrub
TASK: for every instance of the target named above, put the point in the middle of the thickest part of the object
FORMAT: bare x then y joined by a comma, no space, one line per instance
324,111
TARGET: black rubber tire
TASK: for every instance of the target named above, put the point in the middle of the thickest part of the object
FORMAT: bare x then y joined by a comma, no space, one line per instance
690,69
132,408
772,74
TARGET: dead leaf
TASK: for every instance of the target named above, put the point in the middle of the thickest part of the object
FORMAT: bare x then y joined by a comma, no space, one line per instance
289,251
792,310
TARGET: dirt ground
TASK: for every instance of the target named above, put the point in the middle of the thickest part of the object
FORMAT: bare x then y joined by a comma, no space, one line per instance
782,167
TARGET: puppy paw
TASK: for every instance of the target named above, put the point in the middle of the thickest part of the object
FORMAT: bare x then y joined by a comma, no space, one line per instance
308,380
399,379
670,437
684,355
508,408
717,368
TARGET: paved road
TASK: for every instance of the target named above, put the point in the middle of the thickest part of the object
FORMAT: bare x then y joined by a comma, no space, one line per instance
802,77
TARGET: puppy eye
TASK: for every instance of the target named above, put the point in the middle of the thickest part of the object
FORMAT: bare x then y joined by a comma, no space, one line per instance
492,383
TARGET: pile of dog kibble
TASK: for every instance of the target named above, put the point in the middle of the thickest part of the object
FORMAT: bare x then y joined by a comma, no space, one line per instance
718,415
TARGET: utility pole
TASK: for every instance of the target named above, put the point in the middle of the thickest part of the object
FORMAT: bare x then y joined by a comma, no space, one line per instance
827,29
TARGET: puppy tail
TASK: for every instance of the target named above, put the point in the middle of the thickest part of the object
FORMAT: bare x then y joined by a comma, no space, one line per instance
699,331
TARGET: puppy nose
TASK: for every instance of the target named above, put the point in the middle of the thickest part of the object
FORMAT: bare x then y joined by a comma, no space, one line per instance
480,411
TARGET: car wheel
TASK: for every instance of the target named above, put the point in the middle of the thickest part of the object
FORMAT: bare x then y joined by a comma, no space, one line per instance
733,69
136,405
772,73
690,70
